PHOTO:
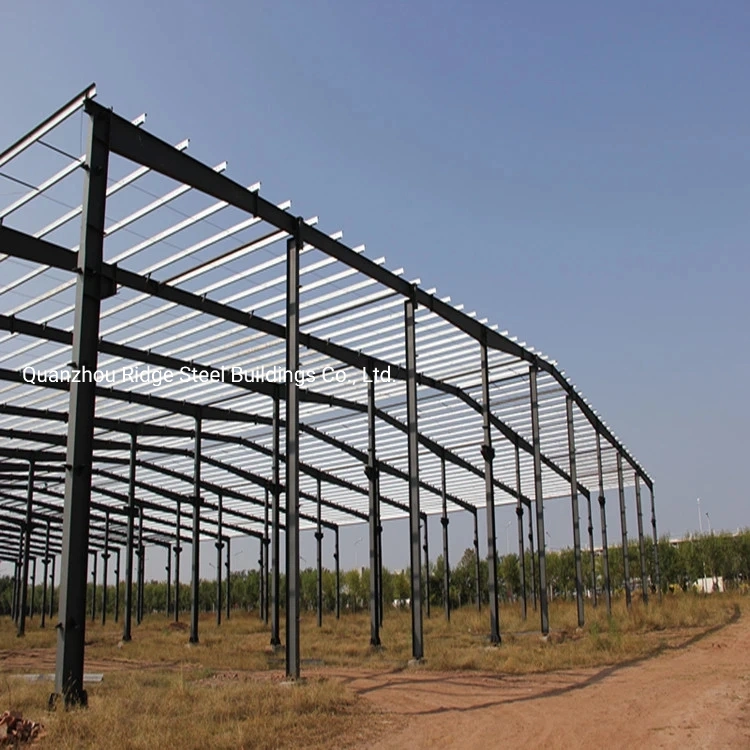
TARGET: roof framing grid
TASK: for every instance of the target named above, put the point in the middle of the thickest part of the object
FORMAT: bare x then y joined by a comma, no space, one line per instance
193,323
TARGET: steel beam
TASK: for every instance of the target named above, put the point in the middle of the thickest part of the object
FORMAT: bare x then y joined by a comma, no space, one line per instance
624,530
91,288
539,498
641,541
574,508
417,639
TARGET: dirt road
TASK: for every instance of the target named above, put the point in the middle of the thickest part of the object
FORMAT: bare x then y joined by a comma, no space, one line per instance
694,697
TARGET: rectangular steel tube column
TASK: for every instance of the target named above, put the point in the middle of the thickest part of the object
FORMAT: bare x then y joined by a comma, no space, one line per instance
293,247
319,559
379,530
539,500
177,555
139,570
105,567
338,574
46,562
127,623
93,586
275,527
519,516
624,530
426,549
16,578
196,546
574,507
371,472
477,576
417,639
641,541
592,553
228,564
168,569
33,587
657,572
219,546
488,454
532,558
264,573
444,521
603,514
117,586
23,588
90,288
52,587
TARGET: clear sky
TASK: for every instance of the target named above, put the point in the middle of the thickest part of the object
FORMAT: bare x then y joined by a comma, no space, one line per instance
577,172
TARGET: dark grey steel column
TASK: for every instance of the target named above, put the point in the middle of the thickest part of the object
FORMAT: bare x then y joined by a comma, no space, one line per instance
16,579
168,569
519,516
93,586
657,572
128,619
641,541
196,546
117,585
105,567
275,527
539,499
264,574
371,472
33,587
219,547
379,530
90,289
177,555
574,507
52,587
293,247
477,576
603,514
46,562
228,564
426,549
624,529
23,589
319,560
139,552
444,521
417,639
591,551
338,574
488,454
532,557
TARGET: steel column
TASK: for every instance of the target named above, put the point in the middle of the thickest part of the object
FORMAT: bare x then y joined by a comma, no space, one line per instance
603,514
444,521
319,561
168,569
93,586
139,569
293,248
105,567
641,542
228,564
33,587
117,586
177,555
624,530
592,553
127,624
477,576
219,546
426,549
16,578
25,559
657,572
338,573
539,499
195,545
90,289
413,451
532,557
264,573
371,472
45,562
52,587
574,507
275,527
519,516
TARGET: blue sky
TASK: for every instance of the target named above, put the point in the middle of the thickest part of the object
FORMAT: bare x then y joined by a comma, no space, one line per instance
577,172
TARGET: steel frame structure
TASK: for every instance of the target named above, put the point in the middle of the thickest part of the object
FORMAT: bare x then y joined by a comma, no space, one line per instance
179,269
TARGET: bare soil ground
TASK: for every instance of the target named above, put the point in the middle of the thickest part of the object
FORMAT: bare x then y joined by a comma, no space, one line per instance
693,696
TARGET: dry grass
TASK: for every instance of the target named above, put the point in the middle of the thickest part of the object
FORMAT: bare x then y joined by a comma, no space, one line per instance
226,691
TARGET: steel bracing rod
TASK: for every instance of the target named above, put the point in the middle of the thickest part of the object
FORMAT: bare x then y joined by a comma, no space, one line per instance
195,561
105,566
219,546
488,454
624,530
539,496
657,572
90,289
371,472
603,515
144,148
26,547
319,562
337,572
294,246
275,525
446,566
127,624
641,541
519,517
417,636
477,582
575,510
